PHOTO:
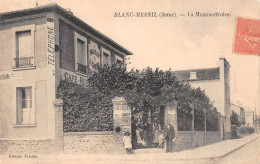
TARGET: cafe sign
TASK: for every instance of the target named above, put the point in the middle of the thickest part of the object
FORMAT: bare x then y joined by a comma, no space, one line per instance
73,77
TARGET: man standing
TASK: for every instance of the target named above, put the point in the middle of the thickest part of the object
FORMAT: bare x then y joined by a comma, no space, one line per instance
149,127
169,133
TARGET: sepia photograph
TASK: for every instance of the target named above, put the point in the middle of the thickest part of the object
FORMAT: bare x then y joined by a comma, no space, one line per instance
129,81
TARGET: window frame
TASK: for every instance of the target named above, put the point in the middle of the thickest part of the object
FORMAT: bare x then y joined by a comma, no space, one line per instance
15,105
16,30
120,59
103,50
85,40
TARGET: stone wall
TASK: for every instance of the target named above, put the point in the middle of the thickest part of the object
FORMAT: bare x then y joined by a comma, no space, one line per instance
212,137
93,142
184,139
44,146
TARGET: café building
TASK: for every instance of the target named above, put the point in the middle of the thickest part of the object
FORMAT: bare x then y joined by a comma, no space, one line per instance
39,47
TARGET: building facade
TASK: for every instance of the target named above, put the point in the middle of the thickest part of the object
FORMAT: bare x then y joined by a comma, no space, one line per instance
240,111
216,84
249,118
39,47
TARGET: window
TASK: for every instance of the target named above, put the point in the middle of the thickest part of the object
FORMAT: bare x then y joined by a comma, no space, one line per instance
25,113
23,49
193,75
23,46
80,53
105,59
119,61
81,56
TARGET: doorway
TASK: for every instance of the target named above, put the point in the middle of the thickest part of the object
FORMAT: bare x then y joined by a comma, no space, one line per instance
146,128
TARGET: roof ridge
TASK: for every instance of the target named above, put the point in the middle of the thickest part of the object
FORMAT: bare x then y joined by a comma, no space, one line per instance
196,69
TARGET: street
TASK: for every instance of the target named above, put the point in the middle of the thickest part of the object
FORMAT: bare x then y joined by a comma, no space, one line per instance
249,154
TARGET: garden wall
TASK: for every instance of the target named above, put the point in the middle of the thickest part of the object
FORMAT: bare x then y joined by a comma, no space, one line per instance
93,142
184,139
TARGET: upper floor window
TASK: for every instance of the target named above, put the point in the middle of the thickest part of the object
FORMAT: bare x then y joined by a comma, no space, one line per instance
23,46
80,53
23,49
105,59
119,61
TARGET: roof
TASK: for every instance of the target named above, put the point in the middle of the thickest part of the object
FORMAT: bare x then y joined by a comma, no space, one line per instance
202,74
56,8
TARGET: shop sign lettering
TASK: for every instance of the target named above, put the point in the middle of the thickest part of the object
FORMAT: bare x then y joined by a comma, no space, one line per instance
50,43
73,77
6,76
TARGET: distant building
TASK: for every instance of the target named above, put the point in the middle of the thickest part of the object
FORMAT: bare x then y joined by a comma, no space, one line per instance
240,111
249,118
216,84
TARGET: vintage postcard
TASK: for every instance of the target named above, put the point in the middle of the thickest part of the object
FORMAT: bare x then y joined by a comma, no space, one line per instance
120,81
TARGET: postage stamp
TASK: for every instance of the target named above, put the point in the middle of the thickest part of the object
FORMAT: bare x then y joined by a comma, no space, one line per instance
247,36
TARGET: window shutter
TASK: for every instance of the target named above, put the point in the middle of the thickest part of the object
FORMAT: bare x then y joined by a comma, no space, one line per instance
81,52
24,46
19,112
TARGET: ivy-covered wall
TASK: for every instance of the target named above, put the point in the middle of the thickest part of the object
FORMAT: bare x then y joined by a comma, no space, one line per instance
90,108
85,109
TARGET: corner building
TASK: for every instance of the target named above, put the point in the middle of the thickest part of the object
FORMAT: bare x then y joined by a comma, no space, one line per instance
39,47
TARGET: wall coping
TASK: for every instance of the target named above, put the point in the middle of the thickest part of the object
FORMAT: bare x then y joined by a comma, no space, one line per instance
89,133
198,131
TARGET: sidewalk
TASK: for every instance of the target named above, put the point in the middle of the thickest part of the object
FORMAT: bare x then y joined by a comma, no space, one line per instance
216,150
212,151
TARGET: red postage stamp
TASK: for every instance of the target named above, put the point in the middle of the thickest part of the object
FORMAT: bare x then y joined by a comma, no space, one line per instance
247,37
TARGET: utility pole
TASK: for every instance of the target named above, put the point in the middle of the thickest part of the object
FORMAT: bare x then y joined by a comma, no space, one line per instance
205,125
192,136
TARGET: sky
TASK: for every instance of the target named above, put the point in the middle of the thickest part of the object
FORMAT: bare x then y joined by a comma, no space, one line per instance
177,43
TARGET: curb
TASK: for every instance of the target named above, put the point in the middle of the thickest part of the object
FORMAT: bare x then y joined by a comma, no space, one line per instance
237,148
220,156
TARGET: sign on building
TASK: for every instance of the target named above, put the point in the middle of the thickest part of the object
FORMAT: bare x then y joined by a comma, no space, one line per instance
50,44
73,77
94,55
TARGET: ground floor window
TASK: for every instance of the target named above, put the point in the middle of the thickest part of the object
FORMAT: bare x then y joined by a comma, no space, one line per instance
25,113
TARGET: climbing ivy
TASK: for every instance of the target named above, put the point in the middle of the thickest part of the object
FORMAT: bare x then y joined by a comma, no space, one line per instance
90,108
